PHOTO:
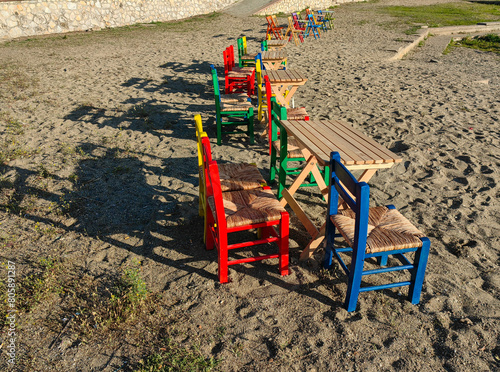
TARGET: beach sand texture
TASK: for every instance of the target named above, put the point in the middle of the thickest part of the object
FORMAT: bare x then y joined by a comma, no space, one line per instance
101,171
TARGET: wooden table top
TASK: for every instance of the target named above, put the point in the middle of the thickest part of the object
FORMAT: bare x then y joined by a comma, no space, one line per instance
276,42
284,76
322,137
277,54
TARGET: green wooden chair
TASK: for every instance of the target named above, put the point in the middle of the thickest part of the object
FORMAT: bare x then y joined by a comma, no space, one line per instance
245,59
231,115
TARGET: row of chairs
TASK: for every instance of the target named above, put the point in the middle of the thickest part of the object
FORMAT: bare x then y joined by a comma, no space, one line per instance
298,29
235,197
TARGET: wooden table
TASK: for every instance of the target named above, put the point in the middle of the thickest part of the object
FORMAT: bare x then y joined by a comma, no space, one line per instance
276,44
318,138
284,84
328,14
273,59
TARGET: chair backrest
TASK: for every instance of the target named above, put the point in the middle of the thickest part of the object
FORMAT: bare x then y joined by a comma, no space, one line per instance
200,133
242,48
275,21
355,194
269,20
263,45
215,81
228,55
291,27
311,19
276,112
259,67
212,183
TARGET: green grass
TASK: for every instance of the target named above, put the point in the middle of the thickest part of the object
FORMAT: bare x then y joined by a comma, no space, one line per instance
449,14
486,43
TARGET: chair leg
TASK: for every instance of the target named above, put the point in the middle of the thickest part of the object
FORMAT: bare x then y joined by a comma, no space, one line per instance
218,118
209,238
283,244
223,257
250,126
354,282
382,260
418,273
330,243
260,109
272,167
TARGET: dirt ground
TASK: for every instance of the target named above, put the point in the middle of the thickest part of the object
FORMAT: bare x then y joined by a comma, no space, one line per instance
99,204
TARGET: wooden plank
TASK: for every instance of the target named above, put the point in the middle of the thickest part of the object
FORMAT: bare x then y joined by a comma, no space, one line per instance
313,244
295,74
330,141
272,76
299,212
284,76
300,75
387,154
359,141
307,138
352,146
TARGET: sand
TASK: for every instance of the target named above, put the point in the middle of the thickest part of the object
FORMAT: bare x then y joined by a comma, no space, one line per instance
106,174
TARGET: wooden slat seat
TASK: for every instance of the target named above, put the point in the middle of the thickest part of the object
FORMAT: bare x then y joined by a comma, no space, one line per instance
388,229
241,176
238,176
297,113
247,207
234,98
237,106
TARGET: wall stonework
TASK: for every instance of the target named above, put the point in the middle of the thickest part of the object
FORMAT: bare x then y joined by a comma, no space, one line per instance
40,17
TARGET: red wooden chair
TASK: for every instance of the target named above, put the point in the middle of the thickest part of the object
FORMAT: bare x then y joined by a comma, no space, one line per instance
237,79
242,210
233,176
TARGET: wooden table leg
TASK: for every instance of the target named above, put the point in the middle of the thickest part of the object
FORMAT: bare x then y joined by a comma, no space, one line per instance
367,175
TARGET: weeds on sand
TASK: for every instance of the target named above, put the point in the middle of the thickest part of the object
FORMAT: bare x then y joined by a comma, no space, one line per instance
34,288
486,43
172,357
14,82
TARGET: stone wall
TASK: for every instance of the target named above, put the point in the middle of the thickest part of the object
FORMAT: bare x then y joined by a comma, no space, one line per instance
39,17
289,6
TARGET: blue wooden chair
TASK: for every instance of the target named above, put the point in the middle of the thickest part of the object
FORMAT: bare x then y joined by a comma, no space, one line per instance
321,18
312,27
231,114
377,232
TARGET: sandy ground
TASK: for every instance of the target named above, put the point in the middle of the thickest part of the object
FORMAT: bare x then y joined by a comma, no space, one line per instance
103,172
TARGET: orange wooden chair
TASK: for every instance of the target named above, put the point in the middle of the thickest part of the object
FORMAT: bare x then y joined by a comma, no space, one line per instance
273,28
243,210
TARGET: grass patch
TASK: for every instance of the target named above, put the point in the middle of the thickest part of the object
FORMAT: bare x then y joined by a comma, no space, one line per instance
172,357
449,14
32,289
486,43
